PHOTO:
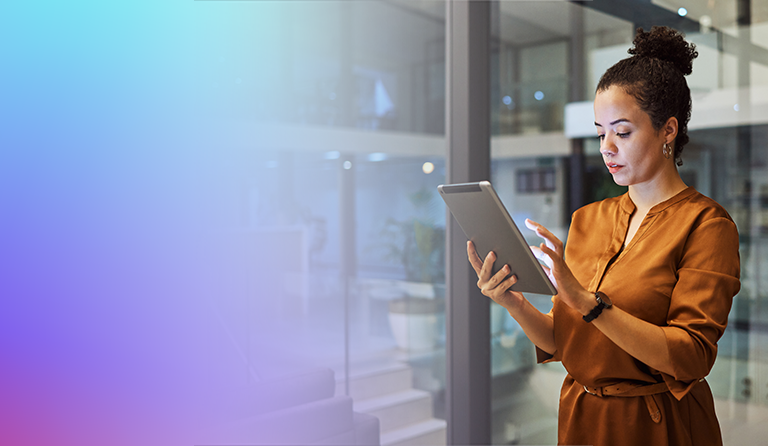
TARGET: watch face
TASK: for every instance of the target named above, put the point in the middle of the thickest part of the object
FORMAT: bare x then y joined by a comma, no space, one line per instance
604,299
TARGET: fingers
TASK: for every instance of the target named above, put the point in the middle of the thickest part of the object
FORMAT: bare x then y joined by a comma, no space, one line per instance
485,271
532,225
474,259
483,268
488,283
546,257
498,278
506,284
549,252
498,285
494,286
553,242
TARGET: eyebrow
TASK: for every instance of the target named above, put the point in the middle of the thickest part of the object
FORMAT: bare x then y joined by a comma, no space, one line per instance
614,122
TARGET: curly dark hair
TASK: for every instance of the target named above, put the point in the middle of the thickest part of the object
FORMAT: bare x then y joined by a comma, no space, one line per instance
655,77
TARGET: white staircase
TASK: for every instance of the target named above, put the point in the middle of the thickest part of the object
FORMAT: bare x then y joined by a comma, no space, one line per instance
404,413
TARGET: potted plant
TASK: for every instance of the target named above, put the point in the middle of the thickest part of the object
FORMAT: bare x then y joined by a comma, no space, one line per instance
418,243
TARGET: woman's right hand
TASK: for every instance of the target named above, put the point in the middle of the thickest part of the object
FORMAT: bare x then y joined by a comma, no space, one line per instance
539,327
495,286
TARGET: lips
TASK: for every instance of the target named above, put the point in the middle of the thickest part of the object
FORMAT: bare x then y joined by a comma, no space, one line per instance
613,167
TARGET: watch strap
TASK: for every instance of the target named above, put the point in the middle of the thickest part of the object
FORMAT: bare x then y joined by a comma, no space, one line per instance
592,315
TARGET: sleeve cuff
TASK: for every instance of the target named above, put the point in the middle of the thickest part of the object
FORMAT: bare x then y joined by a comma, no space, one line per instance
686,375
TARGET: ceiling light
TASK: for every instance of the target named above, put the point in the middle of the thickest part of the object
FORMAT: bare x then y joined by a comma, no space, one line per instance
377,156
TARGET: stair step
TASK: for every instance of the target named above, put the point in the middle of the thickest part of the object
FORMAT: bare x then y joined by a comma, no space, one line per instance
326,418
431,432
399,409
374,382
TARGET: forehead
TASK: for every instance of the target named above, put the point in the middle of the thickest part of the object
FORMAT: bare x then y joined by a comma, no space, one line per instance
615,104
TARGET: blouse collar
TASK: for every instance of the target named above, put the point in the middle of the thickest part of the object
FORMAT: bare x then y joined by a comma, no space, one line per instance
629,207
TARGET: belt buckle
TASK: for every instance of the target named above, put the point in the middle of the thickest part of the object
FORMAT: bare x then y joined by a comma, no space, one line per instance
591,393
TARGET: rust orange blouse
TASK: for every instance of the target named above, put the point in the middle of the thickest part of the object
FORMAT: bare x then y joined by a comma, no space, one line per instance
680,272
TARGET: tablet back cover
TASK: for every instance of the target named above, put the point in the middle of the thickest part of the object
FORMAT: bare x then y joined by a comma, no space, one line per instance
484,219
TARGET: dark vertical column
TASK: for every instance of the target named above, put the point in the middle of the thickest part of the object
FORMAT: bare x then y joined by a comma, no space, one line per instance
517,94
468,127
577,60
495,52
742,307
743,154
576,173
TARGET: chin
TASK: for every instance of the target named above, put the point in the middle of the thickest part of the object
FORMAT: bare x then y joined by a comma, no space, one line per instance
620,181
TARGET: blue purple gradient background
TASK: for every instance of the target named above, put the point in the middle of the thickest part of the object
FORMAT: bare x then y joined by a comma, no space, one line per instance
113,198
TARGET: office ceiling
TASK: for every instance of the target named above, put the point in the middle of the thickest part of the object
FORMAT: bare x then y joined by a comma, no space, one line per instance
526,22
531,21
722,13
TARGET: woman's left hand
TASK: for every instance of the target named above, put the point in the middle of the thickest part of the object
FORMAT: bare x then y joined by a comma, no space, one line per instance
641,339
569,290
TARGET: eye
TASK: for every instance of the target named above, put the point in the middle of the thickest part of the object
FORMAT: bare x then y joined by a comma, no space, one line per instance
623,135
600,137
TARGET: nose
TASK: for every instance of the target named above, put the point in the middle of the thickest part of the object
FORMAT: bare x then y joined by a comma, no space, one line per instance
607,147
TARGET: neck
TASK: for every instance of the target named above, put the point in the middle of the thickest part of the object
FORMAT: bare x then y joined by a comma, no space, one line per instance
647,195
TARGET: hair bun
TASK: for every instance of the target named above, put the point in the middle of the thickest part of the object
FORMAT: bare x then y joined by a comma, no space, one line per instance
665,44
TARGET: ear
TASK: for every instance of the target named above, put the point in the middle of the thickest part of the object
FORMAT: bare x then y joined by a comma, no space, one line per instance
670,130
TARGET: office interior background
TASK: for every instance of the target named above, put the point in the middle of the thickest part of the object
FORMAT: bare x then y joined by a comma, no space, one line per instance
244,229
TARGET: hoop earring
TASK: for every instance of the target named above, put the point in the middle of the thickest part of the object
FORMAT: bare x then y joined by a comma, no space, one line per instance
667,151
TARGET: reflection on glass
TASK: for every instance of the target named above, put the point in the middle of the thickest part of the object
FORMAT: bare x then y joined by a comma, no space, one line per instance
726,159
338,214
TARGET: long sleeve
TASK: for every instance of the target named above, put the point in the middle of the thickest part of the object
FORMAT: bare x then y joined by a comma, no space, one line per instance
708,278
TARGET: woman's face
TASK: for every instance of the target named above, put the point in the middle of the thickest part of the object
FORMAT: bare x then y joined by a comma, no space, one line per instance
631,147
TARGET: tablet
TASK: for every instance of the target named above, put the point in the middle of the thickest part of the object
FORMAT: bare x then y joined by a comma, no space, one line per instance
486,222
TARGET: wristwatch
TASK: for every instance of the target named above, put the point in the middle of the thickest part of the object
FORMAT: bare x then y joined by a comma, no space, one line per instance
603,302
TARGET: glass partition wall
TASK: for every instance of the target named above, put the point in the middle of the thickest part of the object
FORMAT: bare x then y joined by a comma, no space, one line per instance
340,194
547,58
340,185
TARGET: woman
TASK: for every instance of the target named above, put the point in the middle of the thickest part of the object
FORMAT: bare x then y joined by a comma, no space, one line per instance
650,275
